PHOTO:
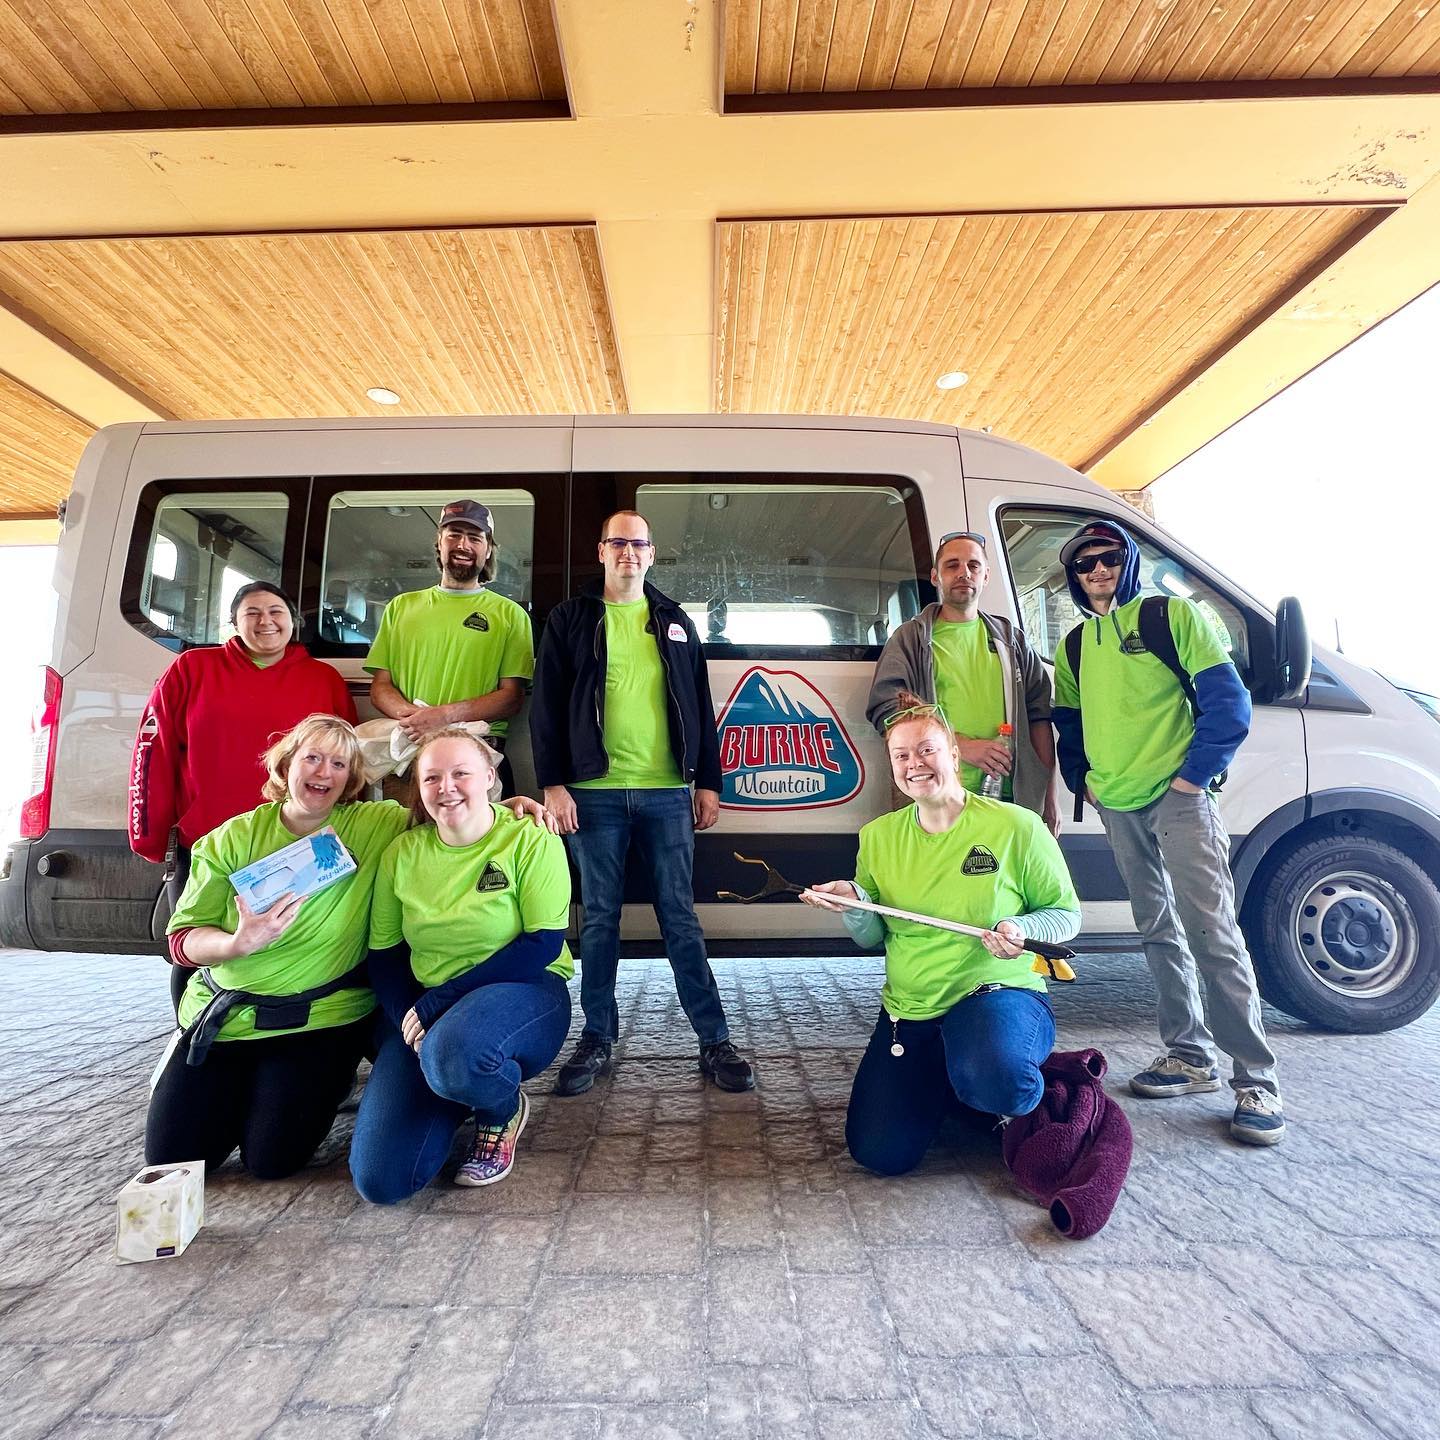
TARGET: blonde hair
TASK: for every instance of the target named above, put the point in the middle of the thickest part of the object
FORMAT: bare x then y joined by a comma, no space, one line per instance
931,717
328,730
419,815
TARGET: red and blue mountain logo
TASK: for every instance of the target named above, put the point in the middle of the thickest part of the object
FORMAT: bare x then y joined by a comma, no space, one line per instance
782,746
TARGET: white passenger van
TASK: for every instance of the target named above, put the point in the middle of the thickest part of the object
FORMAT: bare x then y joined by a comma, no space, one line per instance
798,545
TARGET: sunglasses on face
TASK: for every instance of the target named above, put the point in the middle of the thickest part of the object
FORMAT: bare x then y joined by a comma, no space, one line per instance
1110,559
619,547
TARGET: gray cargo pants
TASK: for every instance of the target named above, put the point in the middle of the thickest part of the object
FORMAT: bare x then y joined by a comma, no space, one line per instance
1174,857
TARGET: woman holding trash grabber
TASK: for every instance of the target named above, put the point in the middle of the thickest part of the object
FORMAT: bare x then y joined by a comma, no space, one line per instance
964,1019
468,959
269,1074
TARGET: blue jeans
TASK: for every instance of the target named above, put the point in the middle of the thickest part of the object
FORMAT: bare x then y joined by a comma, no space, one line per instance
984,1052
473,1058
662,826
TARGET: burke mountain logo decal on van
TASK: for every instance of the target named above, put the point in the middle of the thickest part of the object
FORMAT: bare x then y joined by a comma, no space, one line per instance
782,746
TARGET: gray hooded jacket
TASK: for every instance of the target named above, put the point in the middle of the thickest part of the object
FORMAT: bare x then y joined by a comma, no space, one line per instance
908,663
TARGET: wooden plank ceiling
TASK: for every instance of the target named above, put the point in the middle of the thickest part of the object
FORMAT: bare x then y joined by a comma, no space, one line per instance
156,55
40,445
1071,328
778,47
477,322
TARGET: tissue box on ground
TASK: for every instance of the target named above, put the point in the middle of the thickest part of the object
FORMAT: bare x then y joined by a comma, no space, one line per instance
159,1211
302,868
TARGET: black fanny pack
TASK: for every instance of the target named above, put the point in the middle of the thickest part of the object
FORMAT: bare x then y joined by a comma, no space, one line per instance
272,1012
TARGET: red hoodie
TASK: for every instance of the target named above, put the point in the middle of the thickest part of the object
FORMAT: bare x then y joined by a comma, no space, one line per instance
209,719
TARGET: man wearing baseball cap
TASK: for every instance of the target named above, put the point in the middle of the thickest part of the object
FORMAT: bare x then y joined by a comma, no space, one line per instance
1150,712
456,651
982,673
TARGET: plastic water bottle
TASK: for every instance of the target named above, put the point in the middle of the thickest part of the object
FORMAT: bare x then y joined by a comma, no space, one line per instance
993,786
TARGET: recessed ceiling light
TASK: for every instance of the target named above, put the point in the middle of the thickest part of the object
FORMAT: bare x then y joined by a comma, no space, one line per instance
951,380
381,396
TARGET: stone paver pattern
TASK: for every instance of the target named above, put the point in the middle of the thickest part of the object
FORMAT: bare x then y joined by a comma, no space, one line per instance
670,1262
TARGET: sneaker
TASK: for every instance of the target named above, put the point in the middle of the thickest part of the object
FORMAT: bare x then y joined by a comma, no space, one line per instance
591,1057
723,1063
1170,1075
1259,1117
492,1153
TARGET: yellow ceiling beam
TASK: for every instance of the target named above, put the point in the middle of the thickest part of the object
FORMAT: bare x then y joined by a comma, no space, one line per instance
29,532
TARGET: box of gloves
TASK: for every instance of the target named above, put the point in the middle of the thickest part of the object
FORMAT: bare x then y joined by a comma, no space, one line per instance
302,868
160,1211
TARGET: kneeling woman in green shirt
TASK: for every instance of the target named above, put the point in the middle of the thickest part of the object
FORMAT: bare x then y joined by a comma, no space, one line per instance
963,1019
469,961
279,1066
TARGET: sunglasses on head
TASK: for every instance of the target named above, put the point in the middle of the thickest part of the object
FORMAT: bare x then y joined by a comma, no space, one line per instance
912,712
1110,559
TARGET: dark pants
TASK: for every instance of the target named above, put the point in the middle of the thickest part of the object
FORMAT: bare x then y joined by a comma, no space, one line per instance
473,1058
661,825
274,1098
985,1052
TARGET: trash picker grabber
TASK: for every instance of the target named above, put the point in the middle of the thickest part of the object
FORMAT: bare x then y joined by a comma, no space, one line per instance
1050,959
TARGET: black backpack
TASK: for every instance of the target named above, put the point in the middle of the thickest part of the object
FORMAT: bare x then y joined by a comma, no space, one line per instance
1157,638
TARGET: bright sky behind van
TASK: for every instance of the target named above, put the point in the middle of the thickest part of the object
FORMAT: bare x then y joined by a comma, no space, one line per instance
1331,492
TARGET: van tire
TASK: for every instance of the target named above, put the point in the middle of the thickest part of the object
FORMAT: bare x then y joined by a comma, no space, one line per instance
1338,912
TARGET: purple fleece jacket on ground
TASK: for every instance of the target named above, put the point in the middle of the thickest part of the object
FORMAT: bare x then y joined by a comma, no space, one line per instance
1072,1152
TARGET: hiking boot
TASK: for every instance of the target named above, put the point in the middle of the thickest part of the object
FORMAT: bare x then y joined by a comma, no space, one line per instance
1259,1117
492,1152
591,1057
1170,1075
723,1063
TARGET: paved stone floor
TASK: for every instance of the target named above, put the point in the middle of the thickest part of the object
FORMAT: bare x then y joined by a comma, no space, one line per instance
667,1261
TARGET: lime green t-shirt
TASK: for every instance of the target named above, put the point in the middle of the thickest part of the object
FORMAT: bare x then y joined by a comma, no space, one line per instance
327,937
1138,724
636,720
441,646
969,687
995,863
456,906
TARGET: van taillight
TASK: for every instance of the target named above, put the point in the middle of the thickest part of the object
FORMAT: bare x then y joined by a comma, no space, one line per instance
45,730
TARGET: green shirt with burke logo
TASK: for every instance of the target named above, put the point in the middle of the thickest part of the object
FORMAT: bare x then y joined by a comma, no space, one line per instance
1138,724
441,645
636,720
969,687
457,905
327,937
996,862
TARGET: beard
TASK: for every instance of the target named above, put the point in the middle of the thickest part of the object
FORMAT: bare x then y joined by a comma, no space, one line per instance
457,572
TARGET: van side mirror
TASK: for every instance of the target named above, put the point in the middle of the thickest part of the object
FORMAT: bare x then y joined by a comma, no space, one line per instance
1292,651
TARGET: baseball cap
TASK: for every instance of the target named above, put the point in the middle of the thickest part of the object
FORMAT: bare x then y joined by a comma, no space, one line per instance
467,512
1088,534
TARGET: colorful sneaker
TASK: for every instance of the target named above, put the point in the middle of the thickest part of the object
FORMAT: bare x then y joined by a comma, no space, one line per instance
1170,1075
1259,1117
492,1153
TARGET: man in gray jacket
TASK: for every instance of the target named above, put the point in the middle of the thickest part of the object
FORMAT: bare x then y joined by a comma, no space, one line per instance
982,673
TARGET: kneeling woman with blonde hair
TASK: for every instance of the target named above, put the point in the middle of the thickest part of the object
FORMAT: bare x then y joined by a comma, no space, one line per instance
963,1019
469,961
277,1013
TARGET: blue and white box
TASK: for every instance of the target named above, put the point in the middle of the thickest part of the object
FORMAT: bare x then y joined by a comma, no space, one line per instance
301,869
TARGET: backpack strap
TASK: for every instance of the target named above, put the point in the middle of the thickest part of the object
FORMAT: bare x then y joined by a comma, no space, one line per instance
1159,640
1073,651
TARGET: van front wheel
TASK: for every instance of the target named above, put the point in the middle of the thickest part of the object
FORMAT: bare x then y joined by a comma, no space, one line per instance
1349,936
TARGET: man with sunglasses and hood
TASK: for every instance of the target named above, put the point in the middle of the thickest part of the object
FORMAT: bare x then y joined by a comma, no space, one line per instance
1145,748
981,671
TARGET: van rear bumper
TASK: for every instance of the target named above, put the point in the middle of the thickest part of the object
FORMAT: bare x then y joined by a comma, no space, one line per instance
80,890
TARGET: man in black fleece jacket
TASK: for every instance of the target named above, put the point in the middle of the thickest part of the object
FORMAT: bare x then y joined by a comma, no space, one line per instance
621,723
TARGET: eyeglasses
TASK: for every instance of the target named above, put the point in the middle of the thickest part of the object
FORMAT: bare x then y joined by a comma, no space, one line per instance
1110,559
619,547
974,535
913,712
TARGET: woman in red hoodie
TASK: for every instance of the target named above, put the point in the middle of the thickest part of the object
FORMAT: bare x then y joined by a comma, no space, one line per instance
212,715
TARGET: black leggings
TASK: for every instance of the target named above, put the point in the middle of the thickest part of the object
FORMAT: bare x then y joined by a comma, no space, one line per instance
275,1098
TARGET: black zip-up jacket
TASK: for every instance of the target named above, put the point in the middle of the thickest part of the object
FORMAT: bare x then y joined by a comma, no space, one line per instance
567,704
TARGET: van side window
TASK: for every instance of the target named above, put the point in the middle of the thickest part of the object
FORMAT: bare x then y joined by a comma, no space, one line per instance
379,543
1032,539
202,549
773,567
